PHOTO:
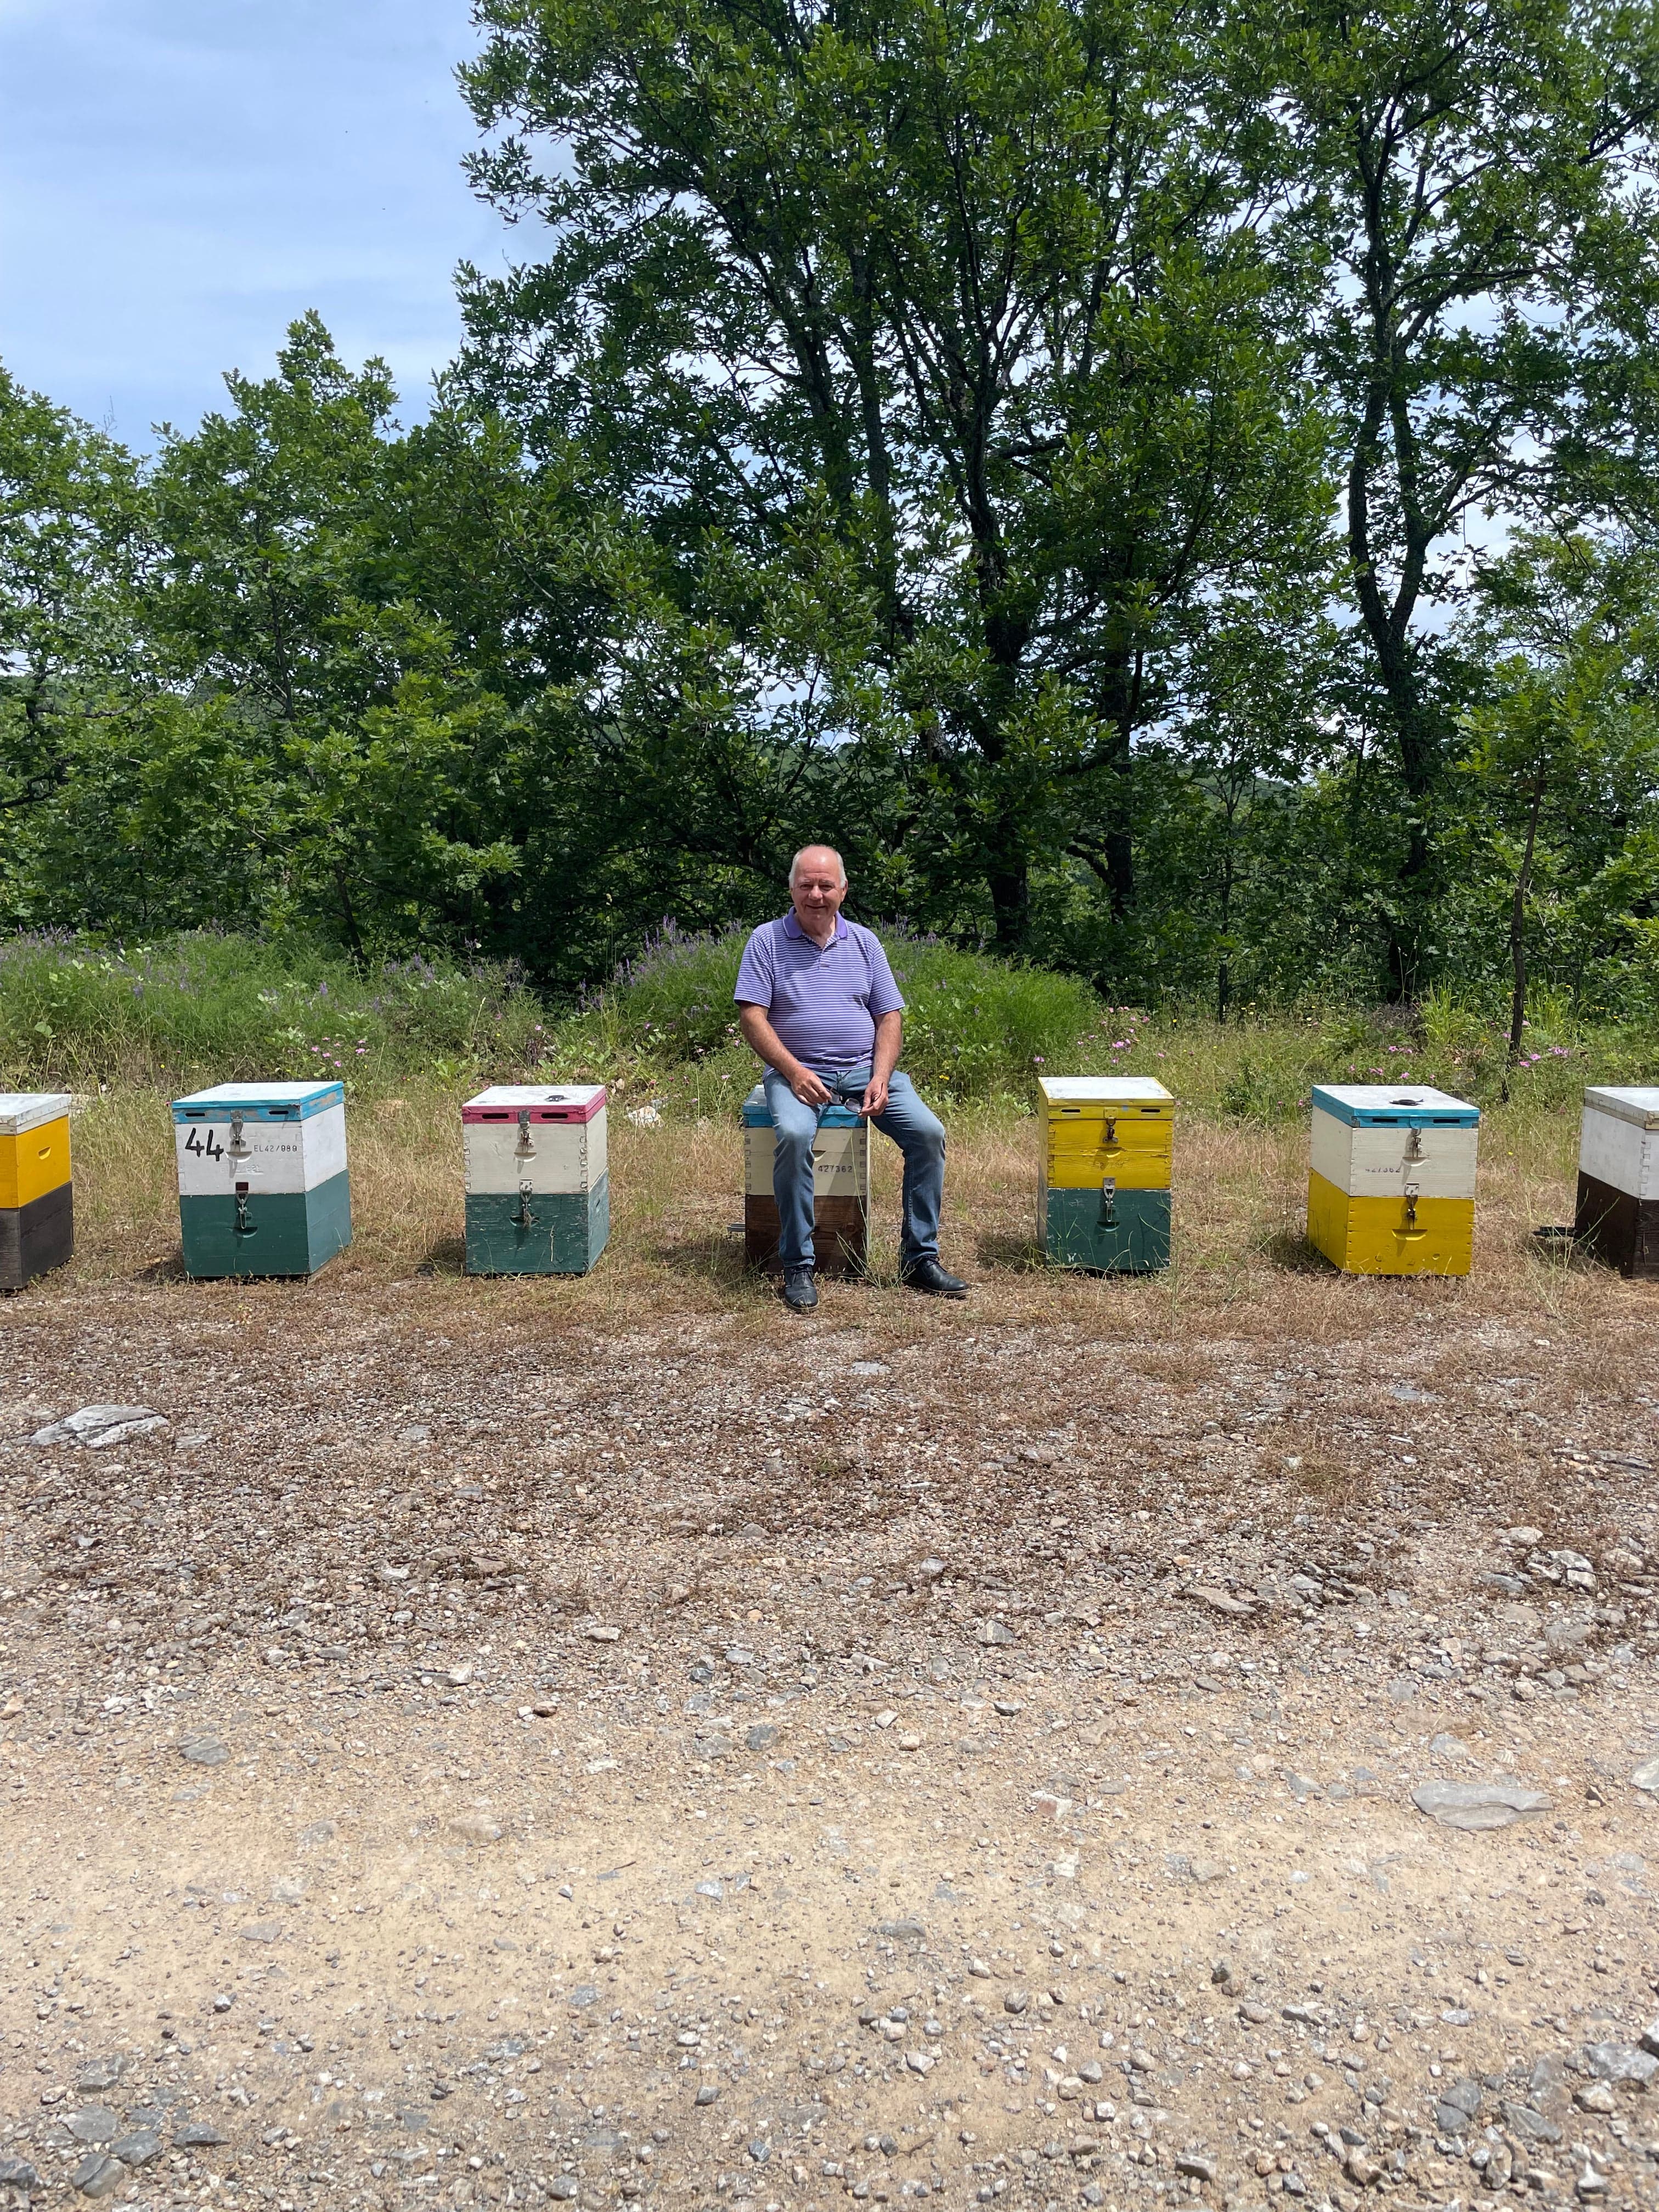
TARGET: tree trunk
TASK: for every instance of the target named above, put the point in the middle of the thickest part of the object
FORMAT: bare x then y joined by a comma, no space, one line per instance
1010,885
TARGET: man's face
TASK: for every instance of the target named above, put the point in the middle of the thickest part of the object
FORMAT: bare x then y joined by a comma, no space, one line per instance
818,889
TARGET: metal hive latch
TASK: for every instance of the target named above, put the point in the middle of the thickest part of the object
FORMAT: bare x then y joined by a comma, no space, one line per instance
523,1151
1108,1202
1414,1145
240,1149
1411,1208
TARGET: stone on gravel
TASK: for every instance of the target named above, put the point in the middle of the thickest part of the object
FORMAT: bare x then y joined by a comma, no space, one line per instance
1195,2166
95,2123
1218,1601
564,2187
18,2173
97,2175
707,2093
1650,2038
204,1751
136,2149
97,1425
1016,2000
583,1995
100,2074
196,2135
761,1736
1619,2062
597,1633
902,1931
1595,2097
1646,1776
1479,1805
1524,2121
993,1632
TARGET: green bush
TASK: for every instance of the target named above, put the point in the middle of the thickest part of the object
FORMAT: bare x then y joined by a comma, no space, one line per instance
975,1027
201,1008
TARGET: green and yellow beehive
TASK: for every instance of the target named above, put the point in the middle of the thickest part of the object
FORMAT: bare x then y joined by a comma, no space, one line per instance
1107,1142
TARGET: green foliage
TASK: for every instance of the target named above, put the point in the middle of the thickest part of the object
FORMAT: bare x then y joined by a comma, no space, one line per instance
976,1027
953,433
201,1008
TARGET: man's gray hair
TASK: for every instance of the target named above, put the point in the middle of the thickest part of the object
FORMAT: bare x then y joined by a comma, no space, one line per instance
795,864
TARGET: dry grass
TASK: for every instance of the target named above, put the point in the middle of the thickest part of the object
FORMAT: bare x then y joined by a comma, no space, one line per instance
1241,1263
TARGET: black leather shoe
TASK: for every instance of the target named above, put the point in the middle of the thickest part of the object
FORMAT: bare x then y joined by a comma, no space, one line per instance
800,1292
928,1276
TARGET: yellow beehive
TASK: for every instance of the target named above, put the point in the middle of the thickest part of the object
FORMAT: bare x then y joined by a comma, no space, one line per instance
1108,1144
37,1203
1391,1179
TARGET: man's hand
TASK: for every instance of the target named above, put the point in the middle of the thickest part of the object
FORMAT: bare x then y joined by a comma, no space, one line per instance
808,1088
889,1035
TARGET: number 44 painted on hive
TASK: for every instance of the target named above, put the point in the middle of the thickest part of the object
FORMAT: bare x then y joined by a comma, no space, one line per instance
213,1149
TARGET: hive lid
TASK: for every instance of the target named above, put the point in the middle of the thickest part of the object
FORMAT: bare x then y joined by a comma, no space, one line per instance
567,1101
1104,1090
259,1101
1401,1106
1639,1104
758,1115
27,1110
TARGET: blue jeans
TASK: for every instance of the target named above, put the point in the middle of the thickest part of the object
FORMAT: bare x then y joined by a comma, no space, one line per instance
918,1132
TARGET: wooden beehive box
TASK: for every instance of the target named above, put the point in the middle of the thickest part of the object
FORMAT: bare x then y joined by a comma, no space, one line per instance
537,1179
840,1189
1617,1216
37,1205
1391,1179
262,1187
1108,1144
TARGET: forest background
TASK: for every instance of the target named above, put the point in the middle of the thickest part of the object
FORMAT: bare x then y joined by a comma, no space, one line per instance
1172,491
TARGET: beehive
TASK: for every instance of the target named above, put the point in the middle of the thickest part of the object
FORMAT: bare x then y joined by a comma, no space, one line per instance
37,1207
1103,1180
1618,1211
263,1188
840,1189
1391,1179
537,1179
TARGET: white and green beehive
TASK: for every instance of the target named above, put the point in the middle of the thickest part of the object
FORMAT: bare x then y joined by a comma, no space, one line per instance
537,1179
263,1188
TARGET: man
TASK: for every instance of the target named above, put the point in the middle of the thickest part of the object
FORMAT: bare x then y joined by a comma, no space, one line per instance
818,1001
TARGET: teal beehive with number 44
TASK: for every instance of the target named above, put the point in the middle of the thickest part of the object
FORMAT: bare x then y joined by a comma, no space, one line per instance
263,1188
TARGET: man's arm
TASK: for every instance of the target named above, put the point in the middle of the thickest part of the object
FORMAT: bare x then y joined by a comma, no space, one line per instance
761,1038
890,1036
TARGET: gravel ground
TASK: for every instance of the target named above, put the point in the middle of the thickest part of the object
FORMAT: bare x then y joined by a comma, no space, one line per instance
467,1754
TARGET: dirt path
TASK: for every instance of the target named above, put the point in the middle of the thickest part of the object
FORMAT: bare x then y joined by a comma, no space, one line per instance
465,1756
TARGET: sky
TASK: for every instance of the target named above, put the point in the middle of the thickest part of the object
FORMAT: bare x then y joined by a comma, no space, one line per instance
180,178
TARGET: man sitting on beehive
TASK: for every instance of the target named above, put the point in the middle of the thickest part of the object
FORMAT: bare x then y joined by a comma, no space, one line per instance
818,1001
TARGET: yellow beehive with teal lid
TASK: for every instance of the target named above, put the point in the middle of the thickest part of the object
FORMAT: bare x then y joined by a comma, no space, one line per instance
1391,1179
537,1179
37,1207
1104,1172
262,1185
